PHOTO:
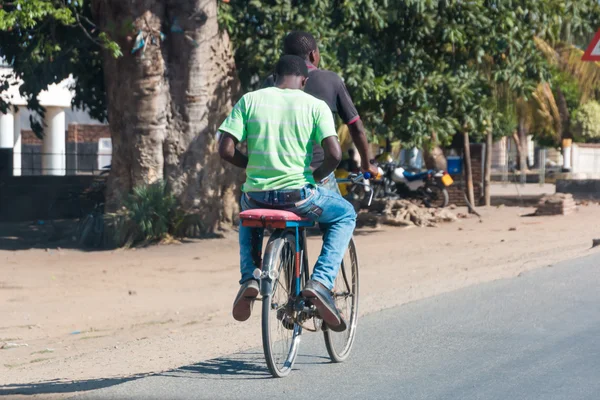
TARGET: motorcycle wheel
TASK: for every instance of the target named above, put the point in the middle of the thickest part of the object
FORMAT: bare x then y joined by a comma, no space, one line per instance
435,196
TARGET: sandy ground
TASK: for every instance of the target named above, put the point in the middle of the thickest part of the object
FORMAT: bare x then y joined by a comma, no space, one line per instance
91,316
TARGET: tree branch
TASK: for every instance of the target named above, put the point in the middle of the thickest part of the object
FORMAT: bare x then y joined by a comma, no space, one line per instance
85,31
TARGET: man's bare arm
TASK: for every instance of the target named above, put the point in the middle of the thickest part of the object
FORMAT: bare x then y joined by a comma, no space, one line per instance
357,132
333,156
229,152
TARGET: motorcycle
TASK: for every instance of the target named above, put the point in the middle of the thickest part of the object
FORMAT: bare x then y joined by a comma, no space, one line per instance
428,186
357,194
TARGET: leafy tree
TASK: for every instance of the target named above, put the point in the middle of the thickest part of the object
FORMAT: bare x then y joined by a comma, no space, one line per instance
419,70
45,41
160,71
587,122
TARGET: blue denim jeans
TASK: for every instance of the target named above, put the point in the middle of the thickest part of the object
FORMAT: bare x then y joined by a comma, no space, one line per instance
330,183
335,216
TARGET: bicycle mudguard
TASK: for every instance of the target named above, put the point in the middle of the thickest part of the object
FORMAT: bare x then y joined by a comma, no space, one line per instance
269,260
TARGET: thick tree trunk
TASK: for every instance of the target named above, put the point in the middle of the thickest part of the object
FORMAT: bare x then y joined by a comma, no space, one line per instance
487,172
433,155
165,102
469,170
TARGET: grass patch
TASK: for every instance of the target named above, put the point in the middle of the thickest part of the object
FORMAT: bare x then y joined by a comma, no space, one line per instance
37,360
46,351
151,323
92,337
3,328
191,323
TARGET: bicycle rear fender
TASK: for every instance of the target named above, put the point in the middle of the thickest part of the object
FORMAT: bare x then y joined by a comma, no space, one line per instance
270,259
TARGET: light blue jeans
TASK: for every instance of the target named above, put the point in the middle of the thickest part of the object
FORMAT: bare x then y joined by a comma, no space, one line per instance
330,183
335,216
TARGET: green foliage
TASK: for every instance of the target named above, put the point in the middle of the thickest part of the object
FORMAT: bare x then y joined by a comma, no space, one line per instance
587,122
568,85
149,215
45,41
413,67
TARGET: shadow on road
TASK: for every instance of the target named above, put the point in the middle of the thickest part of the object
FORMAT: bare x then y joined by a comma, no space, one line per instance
242,366
62,386
237,366
250,365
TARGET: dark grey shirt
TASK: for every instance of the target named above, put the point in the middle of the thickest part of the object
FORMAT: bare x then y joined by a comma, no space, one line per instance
329,87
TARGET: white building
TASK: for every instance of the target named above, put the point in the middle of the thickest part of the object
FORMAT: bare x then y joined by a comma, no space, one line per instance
59,114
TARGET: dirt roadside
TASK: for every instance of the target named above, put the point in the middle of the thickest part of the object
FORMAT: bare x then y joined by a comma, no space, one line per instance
89,316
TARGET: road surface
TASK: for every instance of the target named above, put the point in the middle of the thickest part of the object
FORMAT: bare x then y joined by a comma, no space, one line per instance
532,337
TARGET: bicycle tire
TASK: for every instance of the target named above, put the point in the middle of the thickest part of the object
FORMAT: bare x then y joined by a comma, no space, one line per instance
280,352
439,195
346,287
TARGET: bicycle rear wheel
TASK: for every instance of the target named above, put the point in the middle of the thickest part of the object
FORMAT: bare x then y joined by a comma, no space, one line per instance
345,293
280,333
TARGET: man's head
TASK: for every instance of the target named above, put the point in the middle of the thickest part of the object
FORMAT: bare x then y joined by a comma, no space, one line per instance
302,44
291,72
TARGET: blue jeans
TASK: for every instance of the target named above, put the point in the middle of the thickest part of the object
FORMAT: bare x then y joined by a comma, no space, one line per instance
330,183
335,216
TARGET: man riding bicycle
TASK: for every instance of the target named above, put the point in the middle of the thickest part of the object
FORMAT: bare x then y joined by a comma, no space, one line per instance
329,87
281,125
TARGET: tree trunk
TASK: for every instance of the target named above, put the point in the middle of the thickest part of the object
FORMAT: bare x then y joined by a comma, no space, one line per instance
433,155
520,137
565,117
165,103
469,170
487,173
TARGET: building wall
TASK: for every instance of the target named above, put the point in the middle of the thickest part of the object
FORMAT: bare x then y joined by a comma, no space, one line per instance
456,192
586,160
81,149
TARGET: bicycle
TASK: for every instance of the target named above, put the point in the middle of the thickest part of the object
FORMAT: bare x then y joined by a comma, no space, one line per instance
283,274
84,206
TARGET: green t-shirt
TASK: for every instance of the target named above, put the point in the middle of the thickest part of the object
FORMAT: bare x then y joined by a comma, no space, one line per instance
280,127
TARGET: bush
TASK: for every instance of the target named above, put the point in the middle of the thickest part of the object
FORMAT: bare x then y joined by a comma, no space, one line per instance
587,122
149,214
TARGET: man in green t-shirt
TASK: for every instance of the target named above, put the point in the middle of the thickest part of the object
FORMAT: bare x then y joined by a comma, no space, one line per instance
281,125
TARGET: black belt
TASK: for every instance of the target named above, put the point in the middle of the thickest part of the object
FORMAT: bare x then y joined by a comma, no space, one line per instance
281,199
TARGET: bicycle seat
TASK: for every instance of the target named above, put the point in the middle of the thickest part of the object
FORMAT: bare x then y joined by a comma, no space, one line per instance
269,218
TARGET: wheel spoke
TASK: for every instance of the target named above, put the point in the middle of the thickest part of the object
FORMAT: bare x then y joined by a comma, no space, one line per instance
345,294
280,334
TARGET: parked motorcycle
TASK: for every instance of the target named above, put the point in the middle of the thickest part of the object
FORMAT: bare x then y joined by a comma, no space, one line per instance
428,186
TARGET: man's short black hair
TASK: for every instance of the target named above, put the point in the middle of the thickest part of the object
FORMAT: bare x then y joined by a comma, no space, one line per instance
289,65
299,44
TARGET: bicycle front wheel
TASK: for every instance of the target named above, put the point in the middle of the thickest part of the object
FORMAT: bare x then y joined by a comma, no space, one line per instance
345,293
280,332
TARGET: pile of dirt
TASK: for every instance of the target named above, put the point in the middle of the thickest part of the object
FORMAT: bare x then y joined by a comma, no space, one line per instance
556,204
403,213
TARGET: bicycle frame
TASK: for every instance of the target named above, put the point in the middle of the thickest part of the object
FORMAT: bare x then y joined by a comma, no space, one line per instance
298,229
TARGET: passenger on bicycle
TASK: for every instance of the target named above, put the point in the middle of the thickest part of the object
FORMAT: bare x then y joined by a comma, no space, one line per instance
329,87
281,125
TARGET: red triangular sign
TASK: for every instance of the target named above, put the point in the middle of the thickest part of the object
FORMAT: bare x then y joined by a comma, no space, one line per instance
592,53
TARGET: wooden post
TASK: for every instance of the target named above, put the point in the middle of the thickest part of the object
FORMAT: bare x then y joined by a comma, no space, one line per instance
470,193
487,173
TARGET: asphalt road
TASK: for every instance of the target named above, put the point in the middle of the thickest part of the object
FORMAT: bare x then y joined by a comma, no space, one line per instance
532,337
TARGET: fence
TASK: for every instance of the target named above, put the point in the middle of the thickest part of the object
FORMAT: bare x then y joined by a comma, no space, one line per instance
35,163
507,171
